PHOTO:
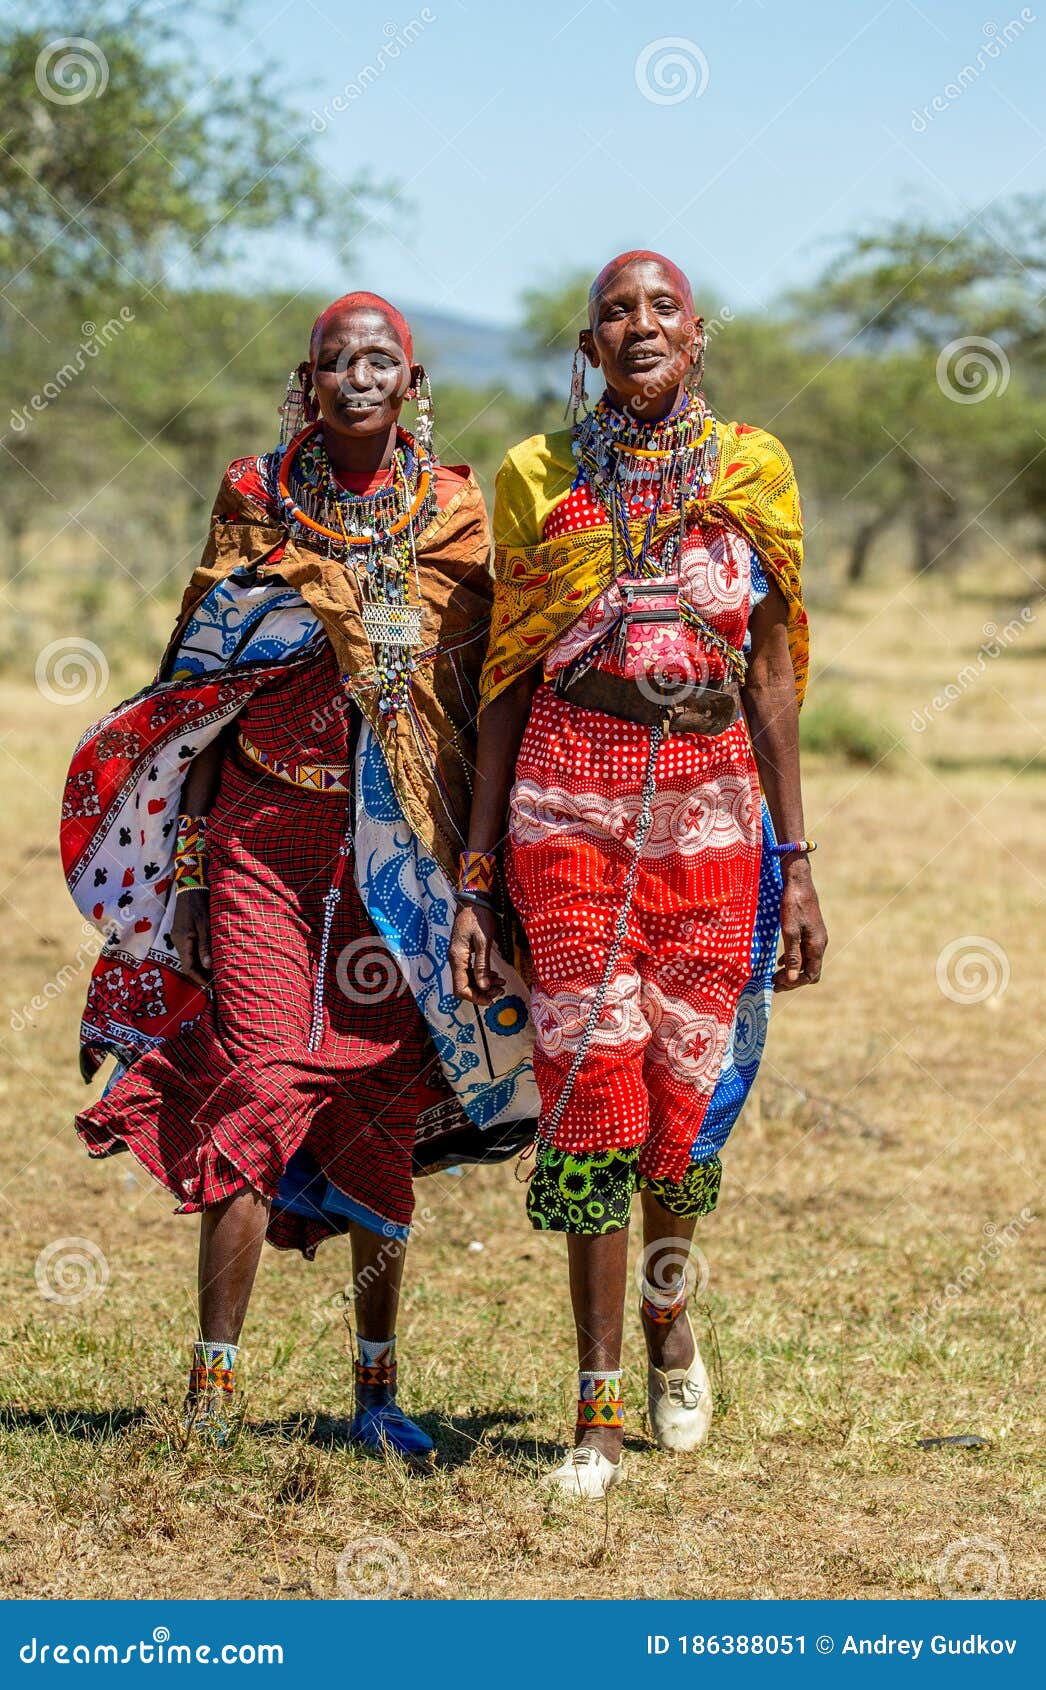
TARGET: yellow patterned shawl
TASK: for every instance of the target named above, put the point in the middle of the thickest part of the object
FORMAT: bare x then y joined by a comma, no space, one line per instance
542,587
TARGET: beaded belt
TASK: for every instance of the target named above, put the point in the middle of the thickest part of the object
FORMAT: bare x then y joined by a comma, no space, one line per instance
312,777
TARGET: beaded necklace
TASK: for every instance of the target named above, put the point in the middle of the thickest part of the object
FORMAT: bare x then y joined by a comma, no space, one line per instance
656,465
375,533
659,466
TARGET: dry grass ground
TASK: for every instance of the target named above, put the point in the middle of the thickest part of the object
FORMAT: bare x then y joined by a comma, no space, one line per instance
890,1149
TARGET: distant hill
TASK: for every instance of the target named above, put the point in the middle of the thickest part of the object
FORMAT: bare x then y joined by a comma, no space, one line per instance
474,354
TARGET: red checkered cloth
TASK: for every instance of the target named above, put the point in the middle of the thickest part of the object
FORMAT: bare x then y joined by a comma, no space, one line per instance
226,1103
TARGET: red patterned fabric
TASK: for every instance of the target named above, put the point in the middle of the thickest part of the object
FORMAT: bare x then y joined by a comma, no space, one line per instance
304,716
225,1104
658,1046
715,577
655,1056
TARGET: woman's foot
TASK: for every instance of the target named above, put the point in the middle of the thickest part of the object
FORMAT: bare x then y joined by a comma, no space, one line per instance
382,1428
586,1475
679,1393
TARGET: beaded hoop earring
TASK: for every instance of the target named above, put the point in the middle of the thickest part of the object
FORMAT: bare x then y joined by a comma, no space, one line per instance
299,406
426,415
695,378
578,400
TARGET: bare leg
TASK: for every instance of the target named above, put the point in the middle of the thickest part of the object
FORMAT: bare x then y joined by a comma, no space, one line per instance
231,1239
598,1273
667,1346
377,1273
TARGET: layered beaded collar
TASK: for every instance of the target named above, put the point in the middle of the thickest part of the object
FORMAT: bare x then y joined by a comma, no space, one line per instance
655,464
356,527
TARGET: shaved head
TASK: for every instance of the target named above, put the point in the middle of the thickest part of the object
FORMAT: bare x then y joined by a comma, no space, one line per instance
610,272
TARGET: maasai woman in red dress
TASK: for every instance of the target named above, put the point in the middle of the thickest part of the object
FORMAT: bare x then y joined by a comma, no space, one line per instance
260,832
647,588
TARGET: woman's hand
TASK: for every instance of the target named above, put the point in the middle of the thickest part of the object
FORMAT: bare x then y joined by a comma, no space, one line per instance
471,950
803,932
191,932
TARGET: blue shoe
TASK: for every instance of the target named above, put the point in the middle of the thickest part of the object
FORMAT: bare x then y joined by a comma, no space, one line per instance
386,1428
205,1418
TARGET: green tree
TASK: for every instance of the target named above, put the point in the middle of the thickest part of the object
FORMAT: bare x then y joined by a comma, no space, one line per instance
119,159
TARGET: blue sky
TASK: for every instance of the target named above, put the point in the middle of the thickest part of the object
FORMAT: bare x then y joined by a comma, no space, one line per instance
527,137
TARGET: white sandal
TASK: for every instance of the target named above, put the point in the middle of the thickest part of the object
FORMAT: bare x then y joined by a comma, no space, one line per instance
679,1403
586,1475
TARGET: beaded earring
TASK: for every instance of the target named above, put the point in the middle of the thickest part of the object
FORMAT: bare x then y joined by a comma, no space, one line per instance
696,374
578,392
425,418
299,403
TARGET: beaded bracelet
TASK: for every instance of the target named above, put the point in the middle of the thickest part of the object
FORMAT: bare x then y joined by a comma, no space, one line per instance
479,899
476,871
190,854
801,847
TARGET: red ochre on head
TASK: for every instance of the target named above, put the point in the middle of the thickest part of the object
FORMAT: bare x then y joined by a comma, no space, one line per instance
364,302
612,270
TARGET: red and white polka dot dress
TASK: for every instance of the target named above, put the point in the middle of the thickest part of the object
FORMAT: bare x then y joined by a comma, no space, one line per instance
655,1056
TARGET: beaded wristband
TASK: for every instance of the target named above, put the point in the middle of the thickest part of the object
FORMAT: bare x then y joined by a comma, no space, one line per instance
190,854
478,899
476,872
801,847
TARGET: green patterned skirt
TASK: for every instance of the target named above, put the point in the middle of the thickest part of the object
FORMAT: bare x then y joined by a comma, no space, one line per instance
590,1194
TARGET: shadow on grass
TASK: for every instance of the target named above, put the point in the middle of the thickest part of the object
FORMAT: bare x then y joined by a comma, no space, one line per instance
77,1423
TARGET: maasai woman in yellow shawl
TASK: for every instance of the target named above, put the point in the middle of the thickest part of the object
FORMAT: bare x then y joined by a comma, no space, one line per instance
646,661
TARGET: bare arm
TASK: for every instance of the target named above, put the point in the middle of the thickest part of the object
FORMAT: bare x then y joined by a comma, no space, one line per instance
770,706
501,731
191,927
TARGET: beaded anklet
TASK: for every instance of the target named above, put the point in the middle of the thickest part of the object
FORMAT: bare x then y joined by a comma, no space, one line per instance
657,1310
600,1402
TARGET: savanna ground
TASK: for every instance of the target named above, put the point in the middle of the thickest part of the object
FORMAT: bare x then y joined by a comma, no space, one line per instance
873,1276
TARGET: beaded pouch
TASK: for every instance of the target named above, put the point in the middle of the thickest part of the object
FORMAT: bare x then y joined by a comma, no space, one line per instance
650,640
